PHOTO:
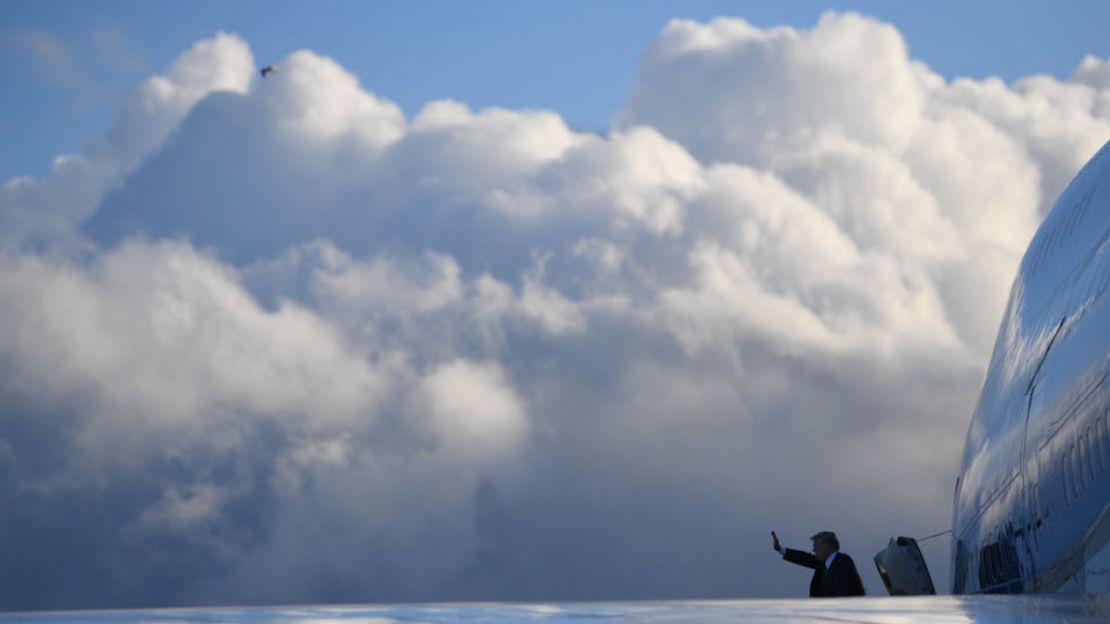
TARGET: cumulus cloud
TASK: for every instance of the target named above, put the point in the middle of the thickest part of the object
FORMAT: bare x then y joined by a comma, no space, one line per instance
43,212
272,341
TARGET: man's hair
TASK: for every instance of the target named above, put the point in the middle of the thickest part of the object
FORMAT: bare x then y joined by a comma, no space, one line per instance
827,537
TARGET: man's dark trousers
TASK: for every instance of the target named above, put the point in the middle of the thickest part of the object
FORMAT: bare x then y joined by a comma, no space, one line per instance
841,579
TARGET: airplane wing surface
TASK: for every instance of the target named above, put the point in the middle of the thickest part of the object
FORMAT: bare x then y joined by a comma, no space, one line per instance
934,609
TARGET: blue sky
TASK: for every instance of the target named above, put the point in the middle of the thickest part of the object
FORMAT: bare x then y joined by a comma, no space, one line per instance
576,58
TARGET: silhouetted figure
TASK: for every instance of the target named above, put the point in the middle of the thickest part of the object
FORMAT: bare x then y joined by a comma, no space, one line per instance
834,573
269,69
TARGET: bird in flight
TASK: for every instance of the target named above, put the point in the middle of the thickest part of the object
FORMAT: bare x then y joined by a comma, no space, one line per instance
269,69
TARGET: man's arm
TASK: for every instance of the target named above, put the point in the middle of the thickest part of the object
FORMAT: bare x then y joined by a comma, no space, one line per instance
800,557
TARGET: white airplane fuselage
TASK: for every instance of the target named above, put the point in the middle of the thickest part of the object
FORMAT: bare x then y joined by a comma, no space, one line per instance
1032,502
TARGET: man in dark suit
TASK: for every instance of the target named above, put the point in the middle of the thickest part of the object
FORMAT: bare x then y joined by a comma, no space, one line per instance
834,573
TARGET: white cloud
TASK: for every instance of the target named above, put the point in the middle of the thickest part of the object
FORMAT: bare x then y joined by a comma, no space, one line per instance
1095,72
44,212
728,91
350,356
156,340
472,410
316,102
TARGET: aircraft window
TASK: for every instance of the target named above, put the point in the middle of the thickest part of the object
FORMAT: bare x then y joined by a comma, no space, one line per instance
1087,452
1073,474
1084,459
1076,473
1098,460
1081,462
1100,437
959,584
1035,513
992,564
1105,435
1035,491
1094,454
1079,475
1064,478
1077,467
1069,475
1003,559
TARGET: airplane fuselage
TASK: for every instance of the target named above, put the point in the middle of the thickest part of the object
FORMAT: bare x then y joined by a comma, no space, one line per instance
1032,502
